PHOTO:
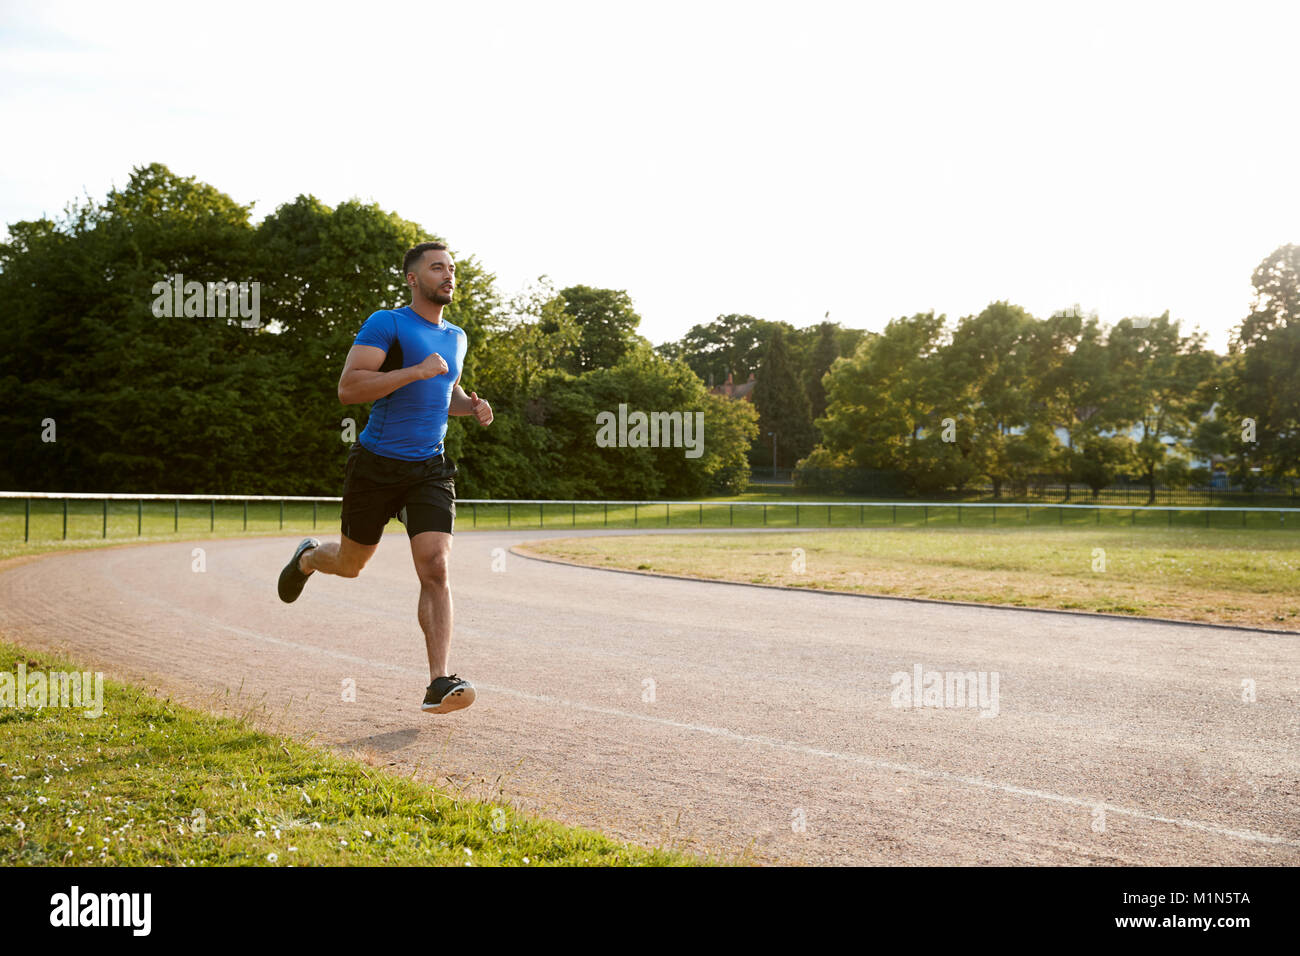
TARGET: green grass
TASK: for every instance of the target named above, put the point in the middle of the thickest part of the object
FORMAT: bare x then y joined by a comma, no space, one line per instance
151,782
1221,575
163,521
1126,498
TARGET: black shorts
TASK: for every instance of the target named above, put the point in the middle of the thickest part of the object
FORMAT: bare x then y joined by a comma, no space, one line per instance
420,494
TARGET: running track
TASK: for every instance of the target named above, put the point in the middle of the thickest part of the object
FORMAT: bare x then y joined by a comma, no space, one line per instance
1117,741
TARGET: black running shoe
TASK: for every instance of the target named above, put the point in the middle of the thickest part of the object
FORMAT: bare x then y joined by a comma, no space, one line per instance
446,694
292,579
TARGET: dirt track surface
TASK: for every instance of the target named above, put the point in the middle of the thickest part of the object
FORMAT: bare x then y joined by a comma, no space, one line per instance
1115,742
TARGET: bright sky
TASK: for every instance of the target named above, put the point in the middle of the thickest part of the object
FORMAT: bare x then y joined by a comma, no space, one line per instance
782,160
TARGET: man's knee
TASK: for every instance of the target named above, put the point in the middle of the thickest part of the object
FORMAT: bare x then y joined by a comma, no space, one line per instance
433,570
351,560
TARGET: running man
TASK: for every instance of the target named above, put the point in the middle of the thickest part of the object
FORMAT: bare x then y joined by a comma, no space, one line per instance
408,362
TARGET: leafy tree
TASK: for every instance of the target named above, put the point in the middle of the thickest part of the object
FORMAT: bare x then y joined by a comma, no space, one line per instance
1265,372
880,400
141,402
1158,373
1101,459
567,406
988,363
730,345
607,322
782,405
1074,389
824,354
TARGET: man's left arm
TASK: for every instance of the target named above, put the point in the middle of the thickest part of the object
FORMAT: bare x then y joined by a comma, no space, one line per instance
471,404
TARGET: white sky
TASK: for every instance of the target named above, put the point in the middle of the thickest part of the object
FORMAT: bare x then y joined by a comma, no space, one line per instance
785,160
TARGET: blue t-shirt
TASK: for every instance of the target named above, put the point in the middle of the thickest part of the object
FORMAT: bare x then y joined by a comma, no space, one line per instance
411,422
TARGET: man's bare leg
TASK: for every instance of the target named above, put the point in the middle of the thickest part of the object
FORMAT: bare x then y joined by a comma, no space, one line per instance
431,551
346,558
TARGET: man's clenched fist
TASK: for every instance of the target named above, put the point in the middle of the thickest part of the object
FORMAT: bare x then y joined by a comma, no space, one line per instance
433,366
481,409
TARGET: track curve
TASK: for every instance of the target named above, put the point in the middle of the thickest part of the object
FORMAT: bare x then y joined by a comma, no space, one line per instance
721,718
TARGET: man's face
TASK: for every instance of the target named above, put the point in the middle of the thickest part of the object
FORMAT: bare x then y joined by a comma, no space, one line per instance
434,276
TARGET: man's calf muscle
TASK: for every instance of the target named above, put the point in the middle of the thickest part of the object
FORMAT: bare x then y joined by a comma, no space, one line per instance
345,559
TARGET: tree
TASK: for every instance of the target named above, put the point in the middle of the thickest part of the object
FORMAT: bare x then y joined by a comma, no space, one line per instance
989,362
881,400
824,353
141,402
533,333
782,405
1101,458
730,345
1158,373
198,403
607,322
1072,384
567,406
1265,371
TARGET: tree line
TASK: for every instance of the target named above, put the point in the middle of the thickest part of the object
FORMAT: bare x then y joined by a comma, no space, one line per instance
1003,398
101,392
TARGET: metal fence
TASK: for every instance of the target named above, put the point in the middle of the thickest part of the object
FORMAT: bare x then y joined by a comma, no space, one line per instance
891,485
519,512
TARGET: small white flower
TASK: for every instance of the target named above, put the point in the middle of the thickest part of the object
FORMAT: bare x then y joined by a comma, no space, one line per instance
271,858
43,800
315,824
468,851
366,832
260,833
343,842
293,849
525,859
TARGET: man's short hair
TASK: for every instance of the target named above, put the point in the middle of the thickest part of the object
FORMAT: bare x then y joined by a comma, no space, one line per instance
412,257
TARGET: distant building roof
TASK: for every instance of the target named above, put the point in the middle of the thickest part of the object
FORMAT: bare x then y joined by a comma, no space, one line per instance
730,389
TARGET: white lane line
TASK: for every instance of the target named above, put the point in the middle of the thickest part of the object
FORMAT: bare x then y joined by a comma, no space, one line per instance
1251,836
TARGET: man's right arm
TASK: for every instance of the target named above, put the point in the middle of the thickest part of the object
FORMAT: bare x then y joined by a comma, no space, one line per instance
362,382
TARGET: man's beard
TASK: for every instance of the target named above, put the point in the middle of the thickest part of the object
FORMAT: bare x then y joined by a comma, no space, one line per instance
437,295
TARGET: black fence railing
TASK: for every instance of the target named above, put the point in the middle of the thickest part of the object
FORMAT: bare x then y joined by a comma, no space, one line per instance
890,485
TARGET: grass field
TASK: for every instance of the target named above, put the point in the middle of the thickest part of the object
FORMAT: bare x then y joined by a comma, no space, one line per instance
150,782
88,521
1222,575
